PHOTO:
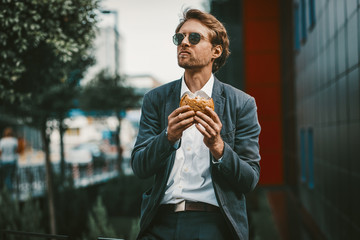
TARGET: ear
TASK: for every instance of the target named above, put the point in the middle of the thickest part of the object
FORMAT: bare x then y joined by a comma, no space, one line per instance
217,51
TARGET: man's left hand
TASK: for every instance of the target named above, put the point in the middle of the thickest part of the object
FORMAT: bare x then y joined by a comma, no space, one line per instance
210,127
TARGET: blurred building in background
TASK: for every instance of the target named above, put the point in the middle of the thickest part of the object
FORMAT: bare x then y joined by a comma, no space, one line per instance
108,56
300,60
107,46
142,83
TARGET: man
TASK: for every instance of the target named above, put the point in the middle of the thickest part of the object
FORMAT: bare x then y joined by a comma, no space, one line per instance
8,157
202,163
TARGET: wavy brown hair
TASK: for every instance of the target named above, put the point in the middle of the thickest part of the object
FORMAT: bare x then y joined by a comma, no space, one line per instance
218,34
8,132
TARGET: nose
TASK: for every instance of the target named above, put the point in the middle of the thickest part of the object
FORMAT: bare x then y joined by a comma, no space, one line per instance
185,41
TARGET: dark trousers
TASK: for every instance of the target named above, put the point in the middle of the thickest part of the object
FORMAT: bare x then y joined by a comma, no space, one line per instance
7,174
188,225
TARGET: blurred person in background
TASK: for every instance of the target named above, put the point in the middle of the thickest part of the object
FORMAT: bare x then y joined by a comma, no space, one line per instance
202,162
8,157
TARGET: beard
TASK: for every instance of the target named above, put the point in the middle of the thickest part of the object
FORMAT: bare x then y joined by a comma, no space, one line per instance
192,63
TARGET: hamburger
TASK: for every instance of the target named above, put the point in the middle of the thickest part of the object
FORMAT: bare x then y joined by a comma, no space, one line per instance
197,103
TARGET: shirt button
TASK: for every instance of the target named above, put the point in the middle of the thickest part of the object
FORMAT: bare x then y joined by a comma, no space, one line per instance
186,169
188,148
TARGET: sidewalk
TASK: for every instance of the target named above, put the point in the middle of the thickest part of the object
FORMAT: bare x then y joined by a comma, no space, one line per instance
275,214
261,220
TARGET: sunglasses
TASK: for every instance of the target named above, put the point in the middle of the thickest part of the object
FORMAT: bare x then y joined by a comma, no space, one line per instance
194,38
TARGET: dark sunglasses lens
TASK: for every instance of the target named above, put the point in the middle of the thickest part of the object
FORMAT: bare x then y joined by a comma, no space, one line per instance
178,38
194,38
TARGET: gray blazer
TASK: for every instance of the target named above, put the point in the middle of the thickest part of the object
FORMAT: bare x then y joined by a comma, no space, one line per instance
235,175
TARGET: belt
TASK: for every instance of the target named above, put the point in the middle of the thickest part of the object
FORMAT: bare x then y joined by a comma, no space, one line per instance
187,206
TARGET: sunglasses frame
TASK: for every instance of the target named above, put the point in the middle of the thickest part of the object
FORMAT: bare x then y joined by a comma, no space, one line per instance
192,41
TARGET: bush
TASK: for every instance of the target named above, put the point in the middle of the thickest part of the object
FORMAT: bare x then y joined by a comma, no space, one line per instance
122,197
20,216
98,222
72,209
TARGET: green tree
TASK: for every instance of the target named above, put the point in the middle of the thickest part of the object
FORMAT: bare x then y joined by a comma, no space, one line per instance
109,94
75,205
98,222
64,28
26,217
44,51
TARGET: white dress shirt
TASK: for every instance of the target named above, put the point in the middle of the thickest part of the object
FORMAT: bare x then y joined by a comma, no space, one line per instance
8,147
190,178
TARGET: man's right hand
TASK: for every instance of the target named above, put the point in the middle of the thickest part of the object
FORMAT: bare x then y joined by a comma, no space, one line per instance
178,121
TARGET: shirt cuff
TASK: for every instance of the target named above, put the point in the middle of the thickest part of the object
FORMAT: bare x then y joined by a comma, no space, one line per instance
214,161
176,144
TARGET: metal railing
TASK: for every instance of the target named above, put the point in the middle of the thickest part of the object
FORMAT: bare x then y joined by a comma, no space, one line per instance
6,233
30,181
102,238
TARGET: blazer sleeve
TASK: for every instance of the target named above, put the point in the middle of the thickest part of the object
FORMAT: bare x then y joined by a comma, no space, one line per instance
152,148
240,164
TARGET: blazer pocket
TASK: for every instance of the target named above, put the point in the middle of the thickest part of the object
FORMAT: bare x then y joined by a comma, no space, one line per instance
229,138
146,199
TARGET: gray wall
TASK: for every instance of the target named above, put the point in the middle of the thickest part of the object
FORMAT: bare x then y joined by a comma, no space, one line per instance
328,118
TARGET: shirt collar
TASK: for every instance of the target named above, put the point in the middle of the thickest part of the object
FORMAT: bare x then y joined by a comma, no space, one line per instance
207,88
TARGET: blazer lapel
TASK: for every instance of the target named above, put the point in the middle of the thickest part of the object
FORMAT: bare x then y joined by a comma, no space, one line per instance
172,103
173,100
219,100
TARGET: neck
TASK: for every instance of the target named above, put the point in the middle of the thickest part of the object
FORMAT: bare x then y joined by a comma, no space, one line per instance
195,80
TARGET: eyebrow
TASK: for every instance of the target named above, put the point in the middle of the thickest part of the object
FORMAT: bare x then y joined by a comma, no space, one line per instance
187,33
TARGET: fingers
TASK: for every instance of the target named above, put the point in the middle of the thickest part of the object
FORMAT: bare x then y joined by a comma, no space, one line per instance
182,110
178,121
181,116
213,115
184,124
202,130
204,127
211,124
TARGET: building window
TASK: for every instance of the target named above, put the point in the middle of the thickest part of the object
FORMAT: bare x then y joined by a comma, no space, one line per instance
307,156
312,17
297,27
303,21
303,155
310,150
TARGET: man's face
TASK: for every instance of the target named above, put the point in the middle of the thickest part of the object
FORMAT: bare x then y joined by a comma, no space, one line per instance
195,56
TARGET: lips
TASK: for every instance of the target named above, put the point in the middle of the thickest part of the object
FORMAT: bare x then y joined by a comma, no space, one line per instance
184,53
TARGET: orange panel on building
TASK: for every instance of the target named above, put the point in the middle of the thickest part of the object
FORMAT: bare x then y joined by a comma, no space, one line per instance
269,71
268,100
271,172
261,9
262,80
270,140
262,35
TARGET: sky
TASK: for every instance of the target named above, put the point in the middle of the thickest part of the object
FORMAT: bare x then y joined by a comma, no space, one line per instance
146,28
